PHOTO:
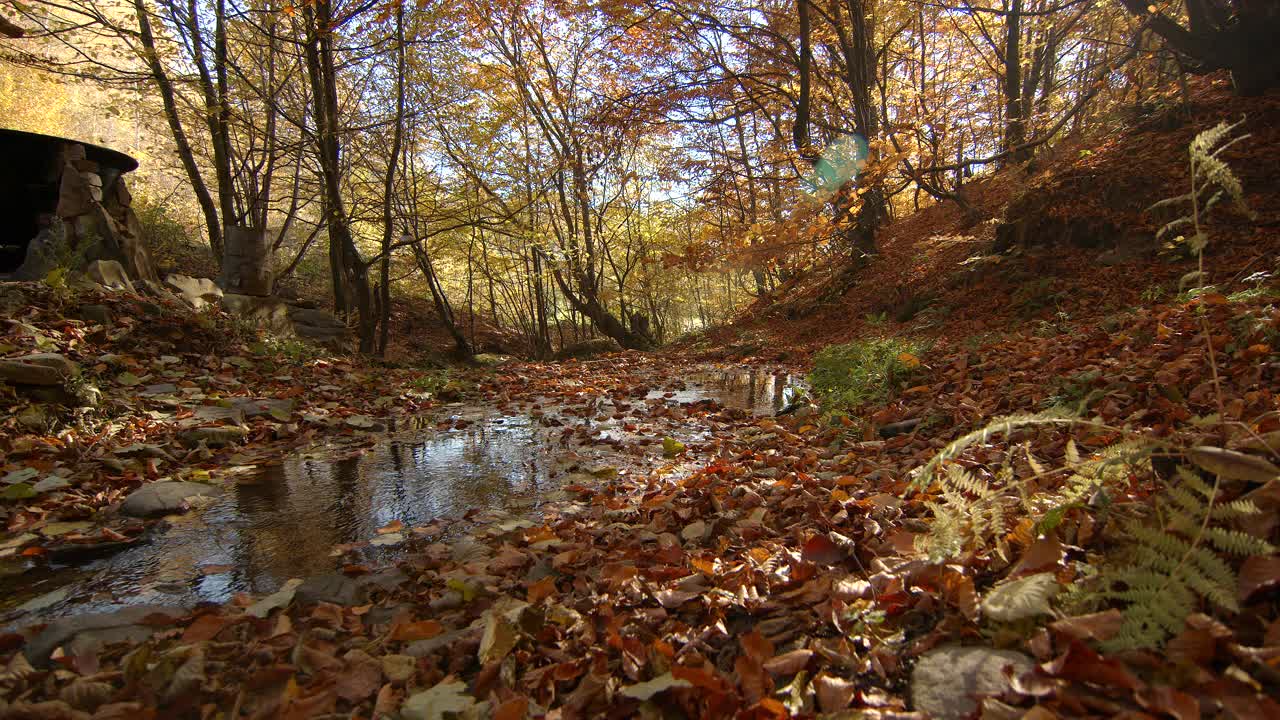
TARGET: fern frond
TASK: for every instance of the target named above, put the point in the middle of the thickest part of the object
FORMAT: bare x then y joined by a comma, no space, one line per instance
1174,225
1237,542
1000,426
1234,509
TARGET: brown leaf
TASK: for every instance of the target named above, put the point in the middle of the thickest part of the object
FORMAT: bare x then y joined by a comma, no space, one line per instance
1082,664
789,663
672,598
1192,646
833,693
544,588
1260,572
1168,701
752,678
1233,465
821,550
1044,555
421,630
1097,626
757,646
206,627
387,704
362,677
514,709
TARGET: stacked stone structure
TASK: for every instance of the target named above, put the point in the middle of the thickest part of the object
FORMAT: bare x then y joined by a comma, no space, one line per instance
66,205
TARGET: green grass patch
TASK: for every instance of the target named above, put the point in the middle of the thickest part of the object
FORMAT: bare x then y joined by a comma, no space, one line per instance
845,377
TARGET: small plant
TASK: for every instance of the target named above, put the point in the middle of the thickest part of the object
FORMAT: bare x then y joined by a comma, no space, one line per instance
847,376
877,319
1153,293
1212,181
1168,562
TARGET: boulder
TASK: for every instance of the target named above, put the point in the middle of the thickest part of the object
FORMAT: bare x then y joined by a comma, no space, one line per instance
83,634
45,369
163,498
317,326
268,313
196,292
109,273
946,681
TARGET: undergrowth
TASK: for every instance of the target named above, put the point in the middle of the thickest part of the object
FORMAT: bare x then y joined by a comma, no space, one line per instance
847,376
1176,552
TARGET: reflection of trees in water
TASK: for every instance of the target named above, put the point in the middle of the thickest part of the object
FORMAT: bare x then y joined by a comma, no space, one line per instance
753,390
286,521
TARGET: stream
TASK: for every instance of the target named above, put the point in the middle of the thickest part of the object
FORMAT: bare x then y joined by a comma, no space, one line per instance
295,519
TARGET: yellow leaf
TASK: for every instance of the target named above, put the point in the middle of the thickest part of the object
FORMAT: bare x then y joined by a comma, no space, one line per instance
908,359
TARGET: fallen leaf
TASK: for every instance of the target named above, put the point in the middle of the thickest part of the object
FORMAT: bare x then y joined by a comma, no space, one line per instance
1259,572
1020,599
421,630
647,689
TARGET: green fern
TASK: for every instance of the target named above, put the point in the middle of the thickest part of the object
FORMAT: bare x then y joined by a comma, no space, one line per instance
1175,562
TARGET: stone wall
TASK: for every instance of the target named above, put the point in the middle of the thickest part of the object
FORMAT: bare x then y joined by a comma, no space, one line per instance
81,205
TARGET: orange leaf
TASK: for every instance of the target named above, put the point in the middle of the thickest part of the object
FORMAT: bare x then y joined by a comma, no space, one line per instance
544,588
421,630
514,709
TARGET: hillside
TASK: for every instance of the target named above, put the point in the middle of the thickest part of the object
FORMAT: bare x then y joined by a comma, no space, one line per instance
1091,249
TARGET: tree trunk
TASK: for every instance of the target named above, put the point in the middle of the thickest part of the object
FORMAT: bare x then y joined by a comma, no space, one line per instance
388,188
207,208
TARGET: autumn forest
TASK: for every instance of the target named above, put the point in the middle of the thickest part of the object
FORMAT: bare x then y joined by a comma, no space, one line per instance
639,358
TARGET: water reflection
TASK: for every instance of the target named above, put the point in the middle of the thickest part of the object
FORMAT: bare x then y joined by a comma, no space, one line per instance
757,390
284,521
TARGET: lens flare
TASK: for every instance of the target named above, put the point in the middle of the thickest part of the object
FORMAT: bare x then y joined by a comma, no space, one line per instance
840,162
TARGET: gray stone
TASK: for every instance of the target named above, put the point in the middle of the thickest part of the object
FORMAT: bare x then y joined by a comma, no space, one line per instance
213,436
97,314
74,197
946,681
215,413
332,588
82,634
48,369
317,326
109,273
161,498
196,292
321,335
269,313
492,359
44,251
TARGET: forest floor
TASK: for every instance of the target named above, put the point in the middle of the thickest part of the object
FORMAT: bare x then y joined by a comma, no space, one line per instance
698,560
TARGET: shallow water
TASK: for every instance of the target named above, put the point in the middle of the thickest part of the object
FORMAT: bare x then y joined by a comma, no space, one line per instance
758,390
285,521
